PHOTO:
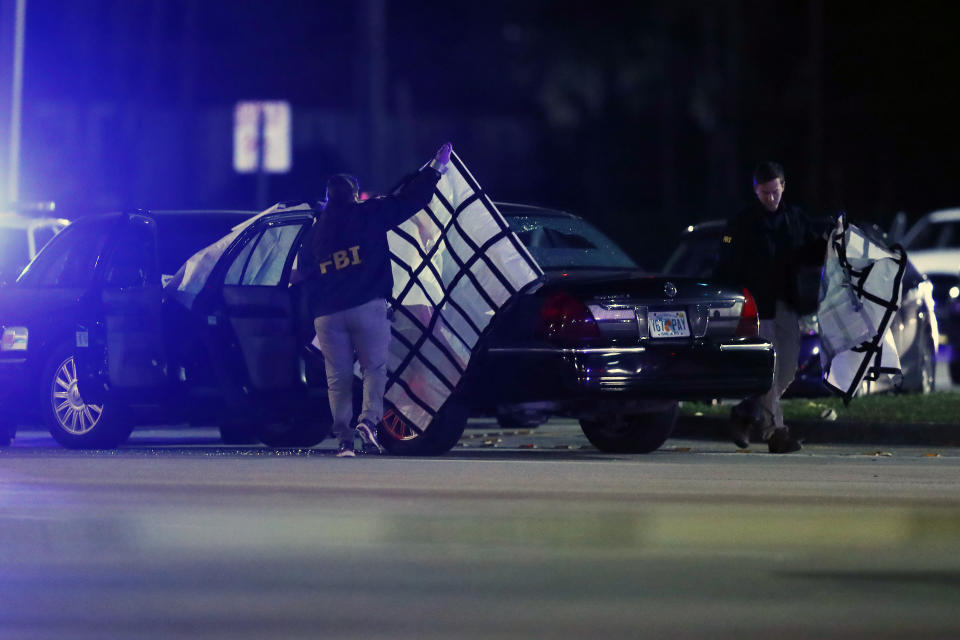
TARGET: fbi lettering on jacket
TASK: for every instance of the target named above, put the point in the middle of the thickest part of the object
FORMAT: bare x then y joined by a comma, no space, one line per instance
341,259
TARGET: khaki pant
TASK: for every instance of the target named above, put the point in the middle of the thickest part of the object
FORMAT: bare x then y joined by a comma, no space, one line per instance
364,330
783,330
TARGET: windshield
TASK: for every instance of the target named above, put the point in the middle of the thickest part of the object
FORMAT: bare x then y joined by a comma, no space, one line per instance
70,258
936,235
14,254
560,242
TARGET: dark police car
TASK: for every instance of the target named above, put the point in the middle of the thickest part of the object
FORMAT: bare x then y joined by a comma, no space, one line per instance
610,345
108,267
600,341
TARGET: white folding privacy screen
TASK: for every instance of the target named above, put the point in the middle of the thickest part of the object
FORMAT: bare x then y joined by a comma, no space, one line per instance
455,264
860,292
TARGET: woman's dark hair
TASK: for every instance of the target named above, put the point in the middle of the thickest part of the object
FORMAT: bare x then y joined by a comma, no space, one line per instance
767,171
342,188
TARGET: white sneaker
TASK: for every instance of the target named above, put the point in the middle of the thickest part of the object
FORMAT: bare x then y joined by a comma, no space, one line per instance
368,435
346,451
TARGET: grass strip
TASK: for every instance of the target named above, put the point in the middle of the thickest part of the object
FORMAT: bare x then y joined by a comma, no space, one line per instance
940,408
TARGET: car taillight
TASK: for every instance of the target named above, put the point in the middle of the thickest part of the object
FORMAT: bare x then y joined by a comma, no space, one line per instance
565,318
749,325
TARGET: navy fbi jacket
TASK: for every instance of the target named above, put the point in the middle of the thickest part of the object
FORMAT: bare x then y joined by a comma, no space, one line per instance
345,258
765,253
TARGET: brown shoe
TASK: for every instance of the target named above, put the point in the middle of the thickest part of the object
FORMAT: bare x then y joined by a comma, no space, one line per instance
782,442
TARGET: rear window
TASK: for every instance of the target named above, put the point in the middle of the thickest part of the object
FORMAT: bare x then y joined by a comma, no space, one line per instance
559,242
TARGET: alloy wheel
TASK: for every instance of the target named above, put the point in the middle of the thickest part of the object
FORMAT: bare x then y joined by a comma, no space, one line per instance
398,427
72,414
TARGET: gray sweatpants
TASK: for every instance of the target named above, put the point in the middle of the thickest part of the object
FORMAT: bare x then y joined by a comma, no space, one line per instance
784,331
364,330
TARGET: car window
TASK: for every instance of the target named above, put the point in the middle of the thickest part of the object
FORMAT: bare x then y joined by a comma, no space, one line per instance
132,262
937,235
262,260
14,253
696,256
235,272
71,257
557,242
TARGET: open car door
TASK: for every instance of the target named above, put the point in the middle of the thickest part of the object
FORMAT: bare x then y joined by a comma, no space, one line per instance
261,340
120,350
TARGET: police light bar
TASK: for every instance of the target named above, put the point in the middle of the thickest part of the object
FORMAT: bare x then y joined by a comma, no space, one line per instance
38,207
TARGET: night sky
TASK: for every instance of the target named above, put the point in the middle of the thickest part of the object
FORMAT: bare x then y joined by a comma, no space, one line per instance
642,117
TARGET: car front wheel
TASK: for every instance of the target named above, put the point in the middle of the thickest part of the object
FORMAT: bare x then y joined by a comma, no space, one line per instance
634,433
233,432
71,421
923,377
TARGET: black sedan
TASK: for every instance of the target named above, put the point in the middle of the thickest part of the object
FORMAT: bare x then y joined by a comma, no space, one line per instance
600,341
612,346
109,265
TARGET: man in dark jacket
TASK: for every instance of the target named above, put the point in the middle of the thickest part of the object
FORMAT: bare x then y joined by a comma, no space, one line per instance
763,249
346,263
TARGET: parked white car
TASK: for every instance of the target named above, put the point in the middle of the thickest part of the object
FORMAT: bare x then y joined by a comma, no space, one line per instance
933,245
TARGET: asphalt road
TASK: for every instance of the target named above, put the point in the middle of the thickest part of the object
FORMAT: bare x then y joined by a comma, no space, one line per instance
512,535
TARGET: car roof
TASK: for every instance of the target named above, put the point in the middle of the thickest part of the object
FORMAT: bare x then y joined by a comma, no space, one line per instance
944,215
517,209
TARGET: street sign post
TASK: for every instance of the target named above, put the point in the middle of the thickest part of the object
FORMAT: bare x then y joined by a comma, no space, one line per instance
262,140
262,137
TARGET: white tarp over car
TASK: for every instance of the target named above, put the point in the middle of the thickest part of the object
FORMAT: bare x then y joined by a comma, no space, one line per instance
455,264
190,278
860,292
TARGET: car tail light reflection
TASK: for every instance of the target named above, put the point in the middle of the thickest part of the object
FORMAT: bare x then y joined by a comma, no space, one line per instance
749,325
564,317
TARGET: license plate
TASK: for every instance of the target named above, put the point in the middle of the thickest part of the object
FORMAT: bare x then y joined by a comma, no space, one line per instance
668,324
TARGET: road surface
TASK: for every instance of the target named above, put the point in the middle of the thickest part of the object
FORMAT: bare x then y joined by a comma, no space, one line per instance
513,535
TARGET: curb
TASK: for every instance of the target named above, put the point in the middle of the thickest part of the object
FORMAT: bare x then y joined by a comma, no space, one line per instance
838,432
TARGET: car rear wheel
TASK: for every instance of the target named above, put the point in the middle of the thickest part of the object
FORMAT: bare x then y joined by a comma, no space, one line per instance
401,437
238,433
72,422
634,433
